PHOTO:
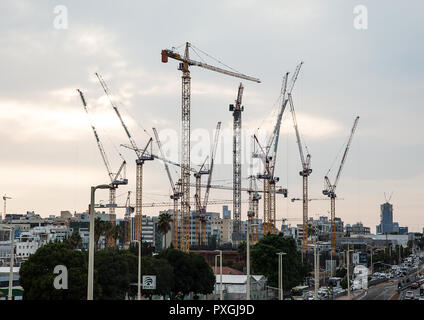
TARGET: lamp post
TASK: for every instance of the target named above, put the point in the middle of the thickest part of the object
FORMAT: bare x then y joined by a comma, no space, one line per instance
248,259
220,272
91,240
139,270
348,276
316,272
12,260
216,267
280,274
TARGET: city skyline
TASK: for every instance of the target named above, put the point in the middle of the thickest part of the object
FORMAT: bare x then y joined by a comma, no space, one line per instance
49,159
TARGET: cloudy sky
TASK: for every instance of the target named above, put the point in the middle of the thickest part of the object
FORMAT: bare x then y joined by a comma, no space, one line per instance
49,158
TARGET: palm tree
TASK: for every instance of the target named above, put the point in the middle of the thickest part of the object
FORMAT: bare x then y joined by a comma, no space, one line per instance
116,233
108,233
75,239
164,223
100,229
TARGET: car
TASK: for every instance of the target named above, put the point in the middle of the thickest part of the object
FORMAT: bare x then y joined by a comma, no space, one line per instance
409,295
415,285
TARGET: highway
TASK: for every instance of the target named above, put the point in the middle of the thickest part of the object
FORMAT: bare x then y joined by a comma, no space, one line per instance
382,291
388,289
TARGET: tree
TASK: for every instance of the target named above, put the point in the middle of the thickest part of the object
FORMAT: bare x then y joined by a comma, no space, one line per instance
163,271
265,260
37,277
242,250
191,273
146,249
203,276
99,230
116,270
74,240
164,224
114,232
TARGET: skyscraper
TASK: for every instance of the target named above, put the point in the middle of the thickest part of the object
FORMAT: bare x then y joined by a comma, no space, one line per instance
226,214
386,218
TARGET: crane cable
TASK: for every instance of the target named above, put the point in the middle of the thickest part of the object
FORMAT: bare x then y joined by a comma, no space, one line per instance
215,59
127,111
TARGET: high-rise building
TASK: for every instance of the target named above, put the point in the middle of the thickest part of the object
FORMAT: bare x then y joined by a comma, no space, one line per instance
386,218
209,216
386,221
226,214
147,229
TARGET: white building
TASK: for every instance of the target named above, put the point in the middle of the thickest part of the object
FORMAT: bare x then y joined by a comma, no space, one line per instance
30,241
224,229
235,286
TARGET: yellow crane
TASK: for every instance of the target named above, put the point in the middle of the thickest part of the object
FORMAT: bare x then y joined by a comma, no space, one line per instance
330,189
142,156
185,63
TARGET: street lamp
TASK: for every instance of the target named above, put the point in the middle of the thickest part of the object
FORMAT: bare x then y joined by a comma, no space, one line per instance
12,259
91,240
248,258
139,270
316,272
280,274
216,256
220,267
348,265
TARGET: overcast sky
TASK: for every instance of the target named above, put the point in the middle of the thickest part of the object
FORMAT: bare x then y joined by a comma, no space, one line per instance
49,158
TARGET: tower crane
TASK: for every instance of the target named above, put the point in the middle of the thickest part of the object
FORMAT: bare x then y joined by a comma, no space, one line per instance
142,156
185,62
237,110
306,168
254,197
127,220
269,157
330,189
115,179
176,194
5,200
201,208
198,176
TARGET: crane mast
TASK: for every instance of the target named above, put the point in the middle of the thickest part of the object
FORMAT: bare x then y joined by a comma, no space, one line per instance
185,127
176,194
142,156
198,203
306,170
254,197
237,109
208,186
330,190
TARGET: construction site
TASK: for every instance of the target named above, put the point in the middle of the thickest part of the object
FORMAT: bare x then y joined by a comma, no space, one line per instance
225,151
190,196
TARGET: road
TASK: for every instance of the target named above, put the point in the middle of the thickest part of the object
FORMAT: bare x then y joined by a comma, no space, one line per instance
388,290
382,291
